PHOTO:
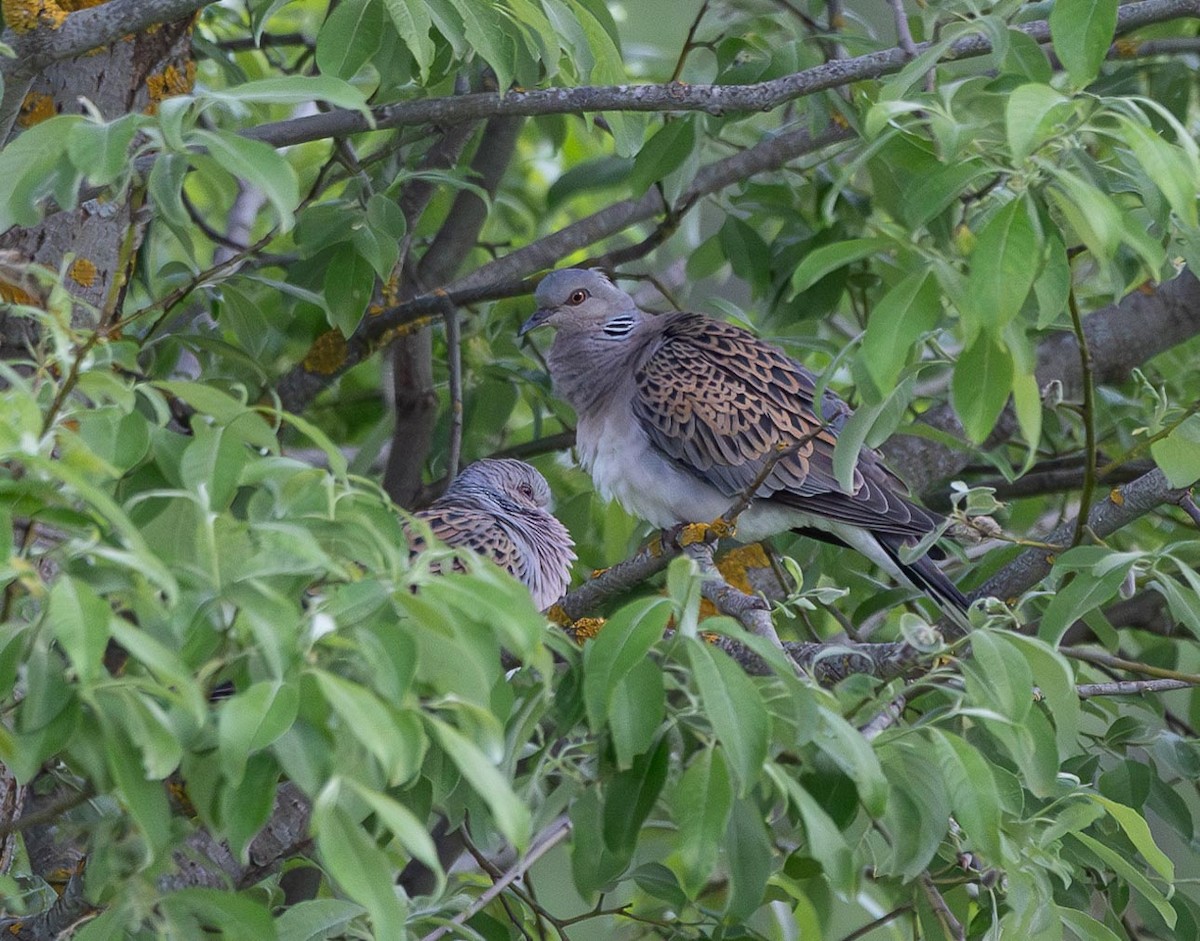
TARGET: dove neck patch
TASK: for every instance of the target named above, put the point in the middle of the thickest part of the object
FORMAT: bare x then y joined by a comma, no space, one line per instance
619,327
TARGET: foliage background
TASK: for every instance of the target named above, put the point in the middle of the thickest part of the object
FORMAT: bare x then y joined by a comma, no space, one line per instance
211,275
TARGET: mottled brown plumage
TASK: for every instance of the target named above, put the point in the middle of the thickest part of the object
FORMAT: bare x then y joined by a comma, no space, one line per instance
680,413
500,509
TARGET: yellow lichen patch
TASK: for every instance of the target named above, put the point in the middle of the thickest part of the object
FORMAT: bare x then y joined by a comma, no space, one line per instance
586,628
374,310
23,16
722,528
596,573
83,272
707,609
709,637
1127,48
169,83
736,564
327,355
694,533
37,107
558,615
1117,497
391,290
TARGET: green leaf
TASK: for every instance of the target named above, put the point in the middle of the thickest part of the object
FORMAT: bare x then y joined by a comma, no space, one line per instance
1126,871
1056,680
971,787
733,706
413,23
1085,926
701,803
593,865
402,822
349,283
824,841
1086,592
252,720
902,316
626,639
663,153
917,810
101,151
351,34
145,800
1138,831
636,710
1053,284
1082,31
259,164
981,385
1003,266
212,463
316,919
845,746
748,849
631,795
359,866
79,618
829,258
1031,115
1094,217
487,31
394,741
1178,454
29,171
294,90
1168,166
998,676
235,916
511,814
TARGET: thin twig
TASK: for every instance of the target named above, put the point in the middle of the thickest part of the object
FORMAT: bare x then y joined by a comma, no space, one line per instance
903,33
885,719
688,44
877,923
952,925
1089,420
550,838
454,362
1129,687
1131,666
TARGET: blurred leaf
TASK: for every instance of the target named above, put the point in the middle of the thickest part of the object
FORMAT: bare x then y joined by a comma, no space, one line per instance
1085,592
294,90
662,154
1178,454
258,164
829,258
982,382
359,867
748,849
734,707
701,803
101,151
1082,31
1003,266
349,37
252,720
79,618
235,916
631,795
349,282
626,639
413,23
316,919
1130,874
398,747
1031,115
899,319
825,842
636,710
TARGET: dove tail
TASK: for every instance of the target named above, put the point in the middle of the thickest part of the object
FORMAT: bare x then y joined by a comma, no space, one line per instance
924,574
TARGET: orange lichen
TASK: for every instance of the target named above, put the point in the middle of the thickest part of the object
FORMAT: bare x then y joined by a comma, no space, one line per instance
37,107
736,564
1127,48
586,628
11,294
168,83
83,272
558,615
1117,497
23,16
327,355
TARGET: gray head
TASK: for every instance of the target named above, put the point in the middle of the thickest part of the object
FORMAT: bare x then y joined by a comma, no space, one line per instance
503,482
583,298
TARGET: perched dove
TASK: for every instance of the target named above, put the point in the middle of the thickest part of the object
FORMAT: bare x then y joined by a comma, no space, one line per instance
500,509
679,414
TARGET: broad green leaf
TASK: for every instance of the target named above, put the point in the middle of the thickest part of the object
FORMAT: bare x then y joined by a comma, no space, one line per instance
1178,454
259,164
918,809
662,154
635,711
626,639
700,803
982,382
294,90
402,823
1003,266
1094,217
1085,593
101,151
1053,284
933,193
971,787
1056,680
212,463
1168,166
1082,31
734,708
79,618
234,915
395,743
351,34
413,23
1138,831
510,813
1031,114
845,746
489,33
145,800
162,662
829,258
316,919
252,720
349,281
999,676
748,849
1132,875
825,842
593,865
1027,403
360,867
29,169
227,410
901,317
1085,926
631,795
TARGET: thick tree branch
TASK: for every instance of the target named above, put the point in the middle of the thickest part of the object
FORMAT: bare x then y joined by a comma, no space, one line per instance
673,97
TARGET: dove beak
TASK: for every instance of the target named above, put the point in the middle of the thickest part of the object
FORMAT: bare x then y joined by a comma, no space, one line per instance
540,316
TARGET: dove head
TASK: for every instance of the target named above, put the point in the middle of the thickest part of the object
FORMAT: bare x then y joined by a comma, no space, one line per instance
579,299
503,481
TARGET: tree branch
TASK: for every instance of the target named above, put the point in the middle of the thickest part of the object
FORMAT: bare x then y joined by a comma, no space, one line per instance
673,97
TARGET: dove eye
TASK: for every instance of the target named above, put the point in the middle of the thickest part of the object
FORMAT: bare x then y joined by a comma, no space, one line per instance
577,297
526,490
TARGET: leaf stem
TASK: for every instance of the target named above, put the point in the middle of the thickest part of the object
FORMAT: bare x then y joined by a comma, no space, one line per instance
1088,414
